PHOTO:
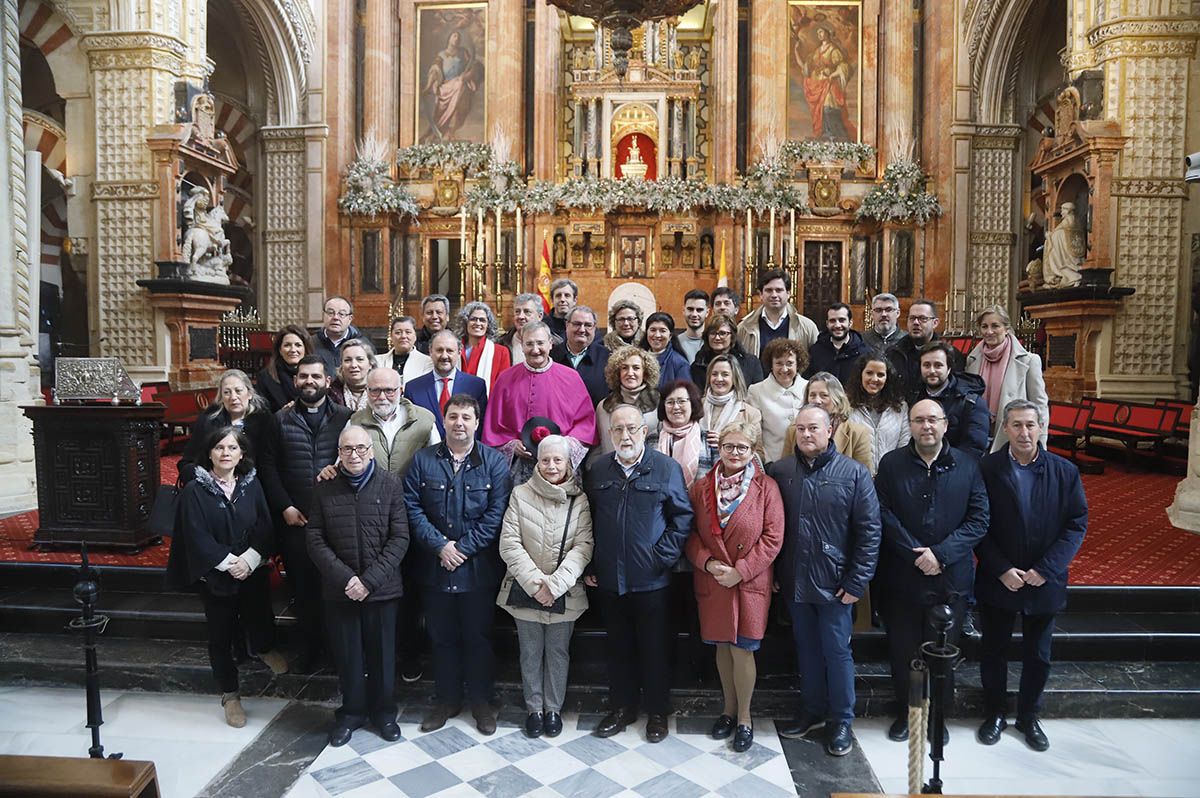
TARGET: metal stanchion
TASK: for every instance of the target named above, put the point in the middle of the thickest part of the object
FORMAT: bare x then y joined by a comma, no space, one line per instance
87,591
939,657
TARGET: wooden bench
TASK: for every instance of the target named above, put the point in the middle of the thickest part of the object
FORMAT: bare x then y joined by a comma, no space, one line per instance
1068,426
1183,427
1142,429
35,776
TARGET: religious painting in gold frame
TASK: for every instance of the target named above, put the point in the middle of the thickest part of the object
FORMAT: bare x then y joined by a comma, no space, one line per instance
825,70
451,89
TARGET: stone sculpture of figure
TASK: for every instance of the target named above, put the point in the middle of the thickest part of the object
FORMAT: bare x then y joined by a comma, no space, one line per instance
205,247
692,59
635,152
1064,251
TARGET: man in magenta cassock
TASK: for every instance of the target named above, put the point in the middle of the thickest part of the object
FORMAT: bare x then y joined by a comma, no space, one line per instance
538,387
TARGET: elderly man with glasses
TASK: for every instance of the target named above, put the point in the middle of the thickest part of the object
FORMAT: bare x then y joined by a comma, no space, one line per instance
643,517
335,330
357,537
935,510
885,329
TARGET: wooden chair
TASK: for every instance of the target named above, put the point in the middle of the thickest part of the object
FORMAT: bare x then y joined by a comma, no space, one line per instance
37,776
1068,426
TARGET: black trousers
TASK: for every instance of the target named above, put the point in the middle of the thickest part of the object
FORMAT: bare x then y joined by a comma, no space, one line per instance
410,638
639,649
460,629
996,624
248,611
305,582
362,638
907,625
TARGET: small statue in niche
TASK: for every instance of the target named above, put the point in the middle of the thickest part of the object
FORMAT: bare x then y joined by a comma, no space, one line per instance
1033,277
559,259
706,252
635,152
205,246
579,60
1064,251
591,59
692,59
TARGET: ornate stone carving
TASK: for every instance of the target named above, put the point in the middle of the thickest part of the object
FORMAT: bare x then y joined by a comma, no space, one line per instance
284,231
1145,28
205,247
1169,187
992,237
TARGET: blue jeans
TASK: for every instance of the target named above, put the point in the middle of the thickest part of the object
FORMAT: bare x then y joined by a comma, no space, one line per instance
822,636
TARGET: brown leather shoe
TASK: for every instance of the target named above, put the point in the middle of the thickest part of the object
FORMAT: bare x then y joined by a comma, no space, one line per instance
485,718
235,716
437,716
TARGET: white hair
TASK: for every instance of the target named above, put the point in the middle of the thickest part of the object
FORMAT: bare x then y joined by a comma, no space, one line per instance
552,441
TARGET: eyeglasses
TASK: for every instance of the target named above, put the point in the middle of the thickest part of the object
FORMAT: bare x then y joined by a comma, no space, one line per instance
383,391
735,448
338,314
927,421
478,320
360,450
630,429
922,319
885,311
719,334
626,319
584,325
678,402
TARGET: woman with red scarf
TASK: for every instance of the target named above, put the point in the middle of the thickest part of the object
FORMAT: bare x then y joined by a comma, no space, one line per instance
1009,371
476,326
736,538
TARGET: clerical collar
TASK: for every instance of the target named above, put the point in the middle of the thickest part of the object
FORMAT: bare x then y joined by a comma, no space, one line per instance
543,369
313,408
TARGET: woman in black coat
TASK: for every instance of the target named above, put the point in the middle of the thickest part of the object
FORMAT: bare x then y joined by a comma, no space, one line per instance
223,534
277,380
720,338
240,407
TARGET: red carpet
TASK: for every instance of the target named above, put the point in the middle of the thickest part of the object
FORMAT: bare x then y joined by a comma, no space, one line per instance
1129,542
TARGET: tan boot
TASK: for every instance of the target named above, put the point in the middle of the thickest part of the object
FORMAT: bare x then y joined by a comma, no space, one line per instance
275,661
235,716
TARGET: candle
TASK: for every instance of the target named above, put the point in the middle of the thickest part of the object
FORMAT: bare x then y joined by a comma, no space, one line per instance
749,232
520,238
462,230
498,234
771,236
792,234
479,237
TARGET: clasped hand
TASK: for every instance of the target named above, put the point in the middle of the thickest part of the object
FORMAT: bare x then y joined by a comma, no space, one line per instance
726,575
356,590
239,569
1014,579
543,594
451,557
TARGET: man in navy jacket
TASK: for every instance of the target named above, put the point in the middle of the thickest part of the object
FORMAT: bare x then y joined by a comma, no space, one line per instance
934,509
446,380
457,492
1039,518
642,517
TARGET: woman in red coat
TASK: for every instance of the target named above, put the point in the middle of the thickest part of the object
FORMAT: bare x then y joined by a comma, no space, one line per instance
738,534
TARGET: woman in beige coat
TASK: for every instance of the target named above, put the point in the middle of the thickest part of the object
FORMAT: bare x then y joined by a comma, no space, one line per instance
546,542
1009,371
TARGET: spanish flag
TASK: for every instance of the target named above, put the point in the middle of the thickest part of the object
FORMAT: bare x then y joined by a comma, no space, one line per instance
543,279
722,274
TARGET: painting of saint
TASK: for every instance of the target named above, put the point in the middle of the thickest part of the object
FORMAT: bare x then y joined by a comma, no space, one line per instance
451,91
824,78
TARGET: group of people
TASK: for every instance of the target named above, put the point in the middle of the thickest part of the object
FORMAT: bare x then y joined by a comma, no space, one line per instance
460,470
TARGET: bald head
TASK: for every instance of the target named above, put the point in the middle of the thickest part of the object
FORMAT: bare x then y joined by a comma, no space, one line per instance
927,423
355,451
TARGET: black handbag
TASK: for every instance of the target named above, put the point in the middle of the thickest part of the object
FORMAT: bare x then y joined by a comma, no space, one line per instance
162,515
518,598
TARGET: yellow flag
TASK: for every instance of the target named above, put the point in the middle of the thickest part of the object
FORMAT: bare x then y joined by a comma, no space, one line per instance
722,274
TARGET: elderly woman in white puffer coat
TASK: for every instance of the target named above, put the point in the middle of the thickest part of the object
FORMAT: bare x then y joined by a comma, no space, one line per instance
546,542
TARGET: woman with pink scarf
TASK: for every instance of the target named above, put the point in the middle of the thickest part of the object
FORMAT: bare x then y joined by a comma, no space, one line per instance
1009,371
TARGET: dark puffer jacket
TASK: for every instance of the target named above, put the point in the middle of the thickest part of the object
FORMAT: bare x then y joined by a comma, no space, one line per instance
943,507
261,429
363,534
822,356
301,455
832,531
968,422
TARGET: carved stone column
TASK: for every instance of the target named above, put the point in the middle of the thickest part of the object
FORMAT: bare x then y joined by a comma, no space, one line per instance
990,253
286,278
133,79
768,73
1146,59
898,20
506,106
17,331
547,68
724,92
379,73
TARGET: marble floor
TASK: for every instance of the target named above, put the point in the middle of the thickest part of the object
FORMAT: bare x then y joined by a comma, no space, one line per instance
184,735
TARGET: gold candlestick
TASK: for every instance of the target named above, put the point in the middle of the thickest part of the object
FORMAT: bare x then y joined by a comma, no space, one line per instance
462,279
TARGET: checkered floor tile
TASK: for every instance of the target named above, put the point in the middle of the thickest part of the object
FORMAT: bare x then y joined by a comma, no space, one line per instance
457,761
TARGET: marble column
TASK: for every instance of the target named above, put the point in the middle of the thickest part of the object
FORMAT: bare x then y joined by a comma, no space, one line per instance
18,332
506,62
547,67
898,89
768,74
379,71
724,93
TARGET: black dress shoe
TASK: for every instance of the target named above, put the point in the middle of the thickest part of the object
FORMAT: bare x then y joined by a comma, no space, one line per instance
656,728
800,726
989,730
534,725
551,724
615,722
390,731
898,731
969,629
340,736
840,739
437,716
743,738
1035,736
722,728
485,718
410,671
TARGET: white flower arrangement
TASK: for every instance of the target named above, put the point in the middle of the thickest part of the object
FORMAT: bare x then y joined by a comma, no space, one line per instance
370,190
901,197
447,156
